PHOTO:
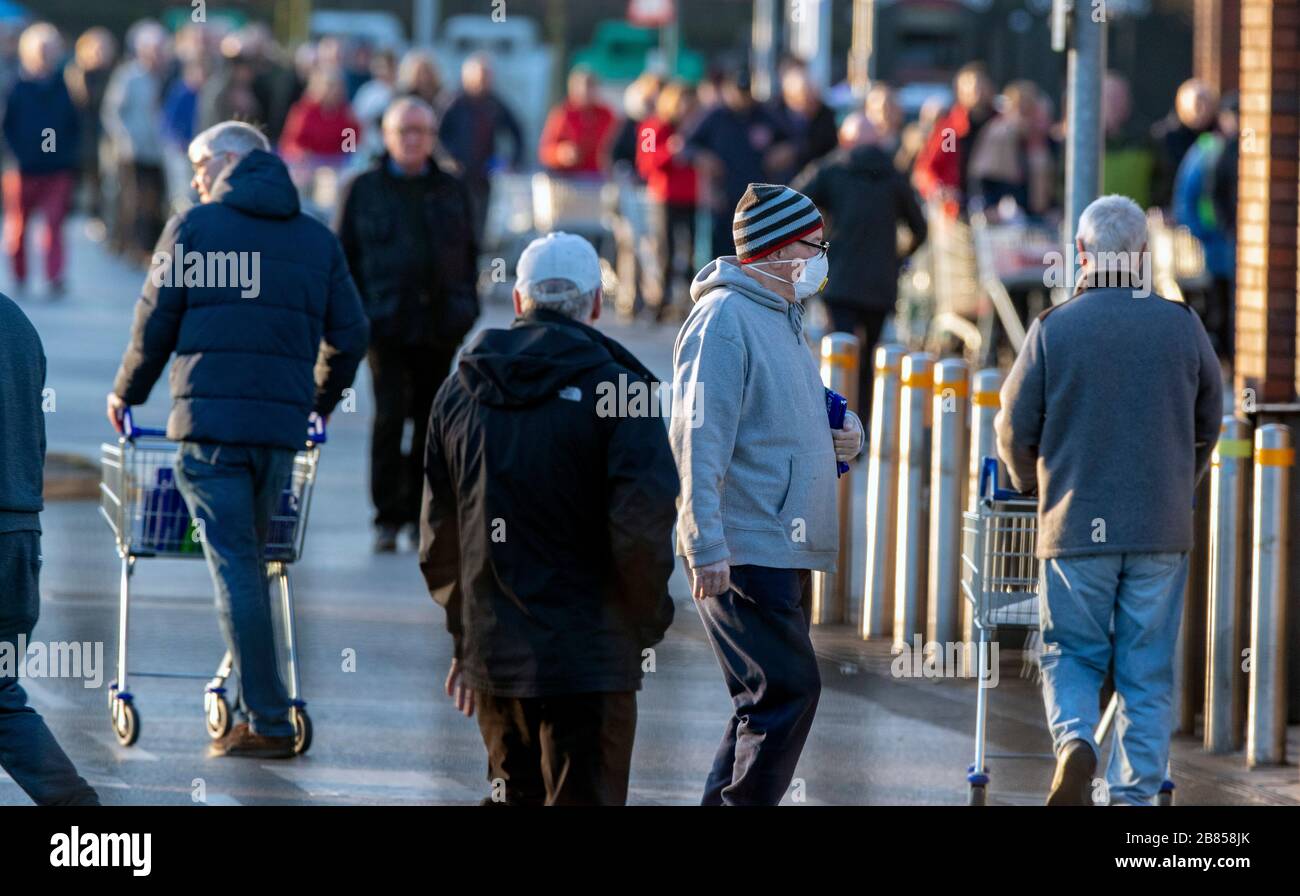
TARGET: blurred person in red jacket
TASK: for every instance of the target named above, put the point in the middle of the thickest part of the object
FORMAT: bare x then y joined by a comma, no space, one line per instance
673,189
941,166
320,126
577,134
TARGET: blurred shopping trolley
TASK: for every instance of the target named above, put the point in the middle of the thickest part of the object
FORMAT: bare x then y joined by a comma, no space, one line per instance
1000,579
140,501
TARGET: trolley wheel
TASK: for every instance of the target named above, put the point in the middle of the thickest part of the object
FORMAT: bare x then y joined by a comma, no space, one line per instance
126,722
976,795
301,730
216,715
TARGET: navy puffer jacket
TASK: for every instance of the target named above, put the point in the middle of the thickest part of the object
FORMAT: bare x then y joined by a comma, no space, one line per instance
269,331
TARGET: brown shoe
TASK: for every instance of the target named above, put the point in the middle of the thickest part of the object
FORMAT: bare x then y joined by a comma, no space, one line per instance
243,741
1072,783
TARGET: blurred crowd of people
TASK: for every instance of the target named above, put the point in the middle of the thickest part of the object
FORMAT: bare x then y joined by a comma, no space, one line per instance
120,123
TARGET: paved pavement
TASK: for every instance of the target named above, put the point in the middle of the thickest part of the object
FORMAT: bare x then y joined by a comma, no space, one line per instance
384,732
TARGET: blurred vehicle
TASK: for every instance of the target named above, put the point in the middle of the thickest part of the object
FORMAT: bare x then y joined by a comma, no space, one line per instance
380,29
619,52
521,64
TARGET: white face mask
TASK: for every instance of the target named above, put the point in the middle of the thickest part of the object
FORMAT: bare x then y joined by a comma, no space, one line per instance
811,277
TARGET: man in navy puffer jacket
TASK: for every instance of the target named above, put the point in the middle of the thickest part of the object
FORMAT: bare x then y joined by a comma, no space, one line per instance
255,300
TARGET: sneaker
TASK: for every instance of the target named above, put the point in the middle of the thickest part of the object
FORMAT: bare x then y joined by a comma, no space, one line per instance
243,741
412,533
1072,783
385,538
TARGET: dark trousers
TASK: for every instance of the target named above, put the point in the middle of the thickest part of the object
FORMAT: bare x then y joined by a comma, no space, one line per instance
723,238
480,198
234,490
142,190
405,378
759,633
571,750
28,751
867,324
673,227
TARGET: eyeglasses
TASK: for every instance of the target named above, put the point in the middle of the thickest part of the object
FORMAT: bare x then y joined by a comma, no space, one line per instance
822,245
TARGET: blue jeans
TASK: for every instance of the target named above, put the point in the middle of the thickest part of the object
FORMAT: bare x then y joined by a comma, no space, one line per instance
233,489
759,633
1124,608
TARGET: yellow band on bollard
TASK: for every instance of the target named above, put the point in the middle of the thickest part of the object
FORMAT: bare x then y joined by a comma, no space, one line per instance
1234,448
886,368
841,358
988,399
1275,457
958,389
918,381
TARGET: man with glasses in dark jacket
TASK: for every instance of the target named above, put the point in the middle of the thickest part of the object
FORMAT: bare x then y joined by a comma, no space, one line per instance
407,228
549,501
254,298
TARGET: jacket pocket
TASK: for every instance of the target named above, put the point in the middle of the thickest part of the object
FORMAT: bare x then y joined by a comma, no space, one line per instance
808,512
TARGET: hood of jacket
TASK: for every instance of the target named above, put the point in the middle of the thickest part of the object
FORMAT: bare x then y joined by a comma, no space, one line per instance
869,160
258,185
725,272
540,354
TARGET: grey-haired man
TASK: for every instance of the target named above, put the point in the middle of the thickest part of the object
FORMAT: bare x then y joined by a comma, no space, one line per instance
1110,414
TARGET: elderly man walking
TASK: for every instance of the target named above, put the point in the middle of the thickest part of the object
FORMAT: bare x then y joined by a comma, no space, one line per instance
255,357
546,535
1110,414
406,225
757,461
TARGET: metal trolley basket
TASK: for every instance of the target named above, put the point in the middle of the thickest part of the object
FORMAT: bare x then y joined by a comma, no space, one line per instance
1000,579
141,503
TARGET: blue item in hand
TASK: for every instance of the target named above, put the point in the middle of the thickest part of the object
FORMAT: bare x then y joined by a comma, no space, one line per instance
837,408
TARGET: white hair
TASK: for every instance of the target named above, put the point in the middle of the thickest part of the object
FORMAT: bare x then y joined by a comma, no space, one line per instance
34,43
235,137
1112,224
400,106
558,295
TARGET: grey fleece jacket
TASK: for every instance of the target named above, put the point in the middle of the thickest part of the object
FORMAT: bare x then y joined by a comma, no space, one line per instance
1111,412
755,456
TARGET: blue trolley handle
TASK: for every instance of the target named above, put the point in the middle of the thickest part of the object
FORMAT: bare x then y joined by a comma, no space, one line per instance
315,429
989,483
316,434
131,432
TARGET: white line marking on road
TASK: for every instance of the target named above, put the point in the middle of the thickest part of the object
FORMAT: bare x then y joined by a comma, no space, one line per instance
121,753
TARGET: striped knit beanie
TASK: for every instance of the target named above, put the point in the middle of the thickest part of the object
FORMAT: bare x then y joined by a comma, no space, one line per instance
768,217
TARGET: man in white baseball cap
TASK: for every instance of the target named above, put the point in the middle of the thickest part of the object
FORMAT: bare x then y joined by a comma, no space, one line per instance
546,535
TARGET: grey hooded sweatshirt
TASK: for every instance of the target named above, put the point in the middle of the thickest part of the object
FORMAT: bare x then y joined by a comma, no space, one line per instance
754,453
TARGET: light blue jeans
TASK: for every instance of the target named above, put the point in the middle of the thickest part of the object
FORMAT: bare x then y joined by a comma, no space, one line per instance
1123,607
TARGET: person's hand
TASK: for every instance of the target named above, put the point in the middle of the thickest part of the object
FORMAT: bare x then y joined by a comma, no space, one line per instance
710,580
461,695
116,408
779,158
848,441
675,144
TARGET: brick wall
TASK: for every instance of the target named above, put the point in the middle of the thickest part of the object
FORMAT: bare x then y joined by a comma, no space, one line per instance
1267,217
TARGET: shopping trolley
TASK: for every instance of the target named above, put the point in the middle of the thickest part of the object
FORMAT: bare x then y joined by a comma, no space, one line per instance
143,506
1000,579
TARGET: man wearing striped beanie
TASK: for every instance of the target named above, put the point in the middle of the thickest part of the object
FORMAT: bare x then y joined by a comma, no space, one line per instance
757,464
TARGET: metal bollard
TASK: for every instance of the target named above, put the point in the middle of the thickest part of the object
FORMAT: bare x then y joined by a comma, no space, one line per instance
882,495
913,498
1228,471
1266,721
948,475
830,591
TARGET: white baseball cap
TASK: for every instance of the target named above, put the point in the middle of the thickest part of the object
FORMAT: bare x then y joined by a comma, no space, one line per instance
559,256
